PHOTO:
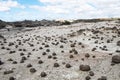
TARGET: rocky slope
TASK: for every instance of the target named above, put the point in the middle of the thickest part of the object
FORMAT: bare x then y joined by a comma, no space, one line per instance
82,51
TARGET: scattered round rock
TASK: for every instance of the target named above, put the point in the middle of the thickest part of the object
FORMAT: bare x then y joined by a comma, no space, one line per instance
11,78
32,70
85,68
116,59
14,62
49,56
91,73
8,72
68,66
87,78
71,56
102,78
1,62
87,55
118,43
43,74
29,65
56,65
40,61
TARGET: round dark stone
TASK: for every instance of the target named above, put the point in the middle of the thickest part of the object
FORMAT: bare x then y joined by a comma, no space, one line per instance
93,56
87,55
44,53
118,43
72,45
47,50
32,70
54,57
40,61
21,54
29,65
61,46
71,56
87,78
14,62
56,65
116,59
40,48
1,62
75,52
91,73
43,74
68,66
85,68
54,54
11,78
24,58
8,72
10,59
93,49
22,61
102,78
49,57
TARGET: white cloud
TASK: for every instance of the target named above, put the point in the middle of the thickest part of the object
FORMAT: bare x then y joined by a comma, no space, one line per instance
8,4
63,9
81,8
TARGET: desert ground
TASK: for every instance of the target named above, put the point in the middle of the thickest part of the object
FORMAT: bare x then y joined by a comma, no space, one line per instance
81,51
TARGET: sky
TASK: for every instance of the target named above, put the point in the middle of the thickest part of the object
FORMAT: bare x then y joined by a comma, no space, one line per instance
15,10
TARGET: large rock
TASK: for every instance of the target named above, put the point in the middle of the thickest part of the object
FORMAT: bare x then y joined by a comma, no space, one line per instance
1,62
85,68
118,43
102,78
116,59
1,36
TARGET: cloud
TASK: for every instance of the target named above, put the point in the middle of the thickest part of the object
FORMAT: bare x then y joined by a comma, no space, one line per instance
59,9
81,8
6,5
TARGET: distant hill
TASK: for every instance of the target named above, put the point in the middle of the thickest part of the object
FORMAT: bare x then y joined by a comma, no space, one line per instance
96,20
2,24
30,23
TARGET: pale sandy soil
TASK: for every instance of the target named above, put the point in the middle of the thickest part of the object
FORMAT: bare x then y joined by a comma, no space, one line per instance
100,65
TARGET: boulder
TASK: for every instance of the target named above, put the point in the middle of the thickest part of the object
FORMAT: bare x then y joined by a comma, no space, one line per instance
85,68
116,59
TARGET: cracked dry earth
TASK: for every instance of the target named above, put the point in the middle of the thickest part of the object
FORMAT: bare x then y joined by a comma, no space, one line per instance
81,51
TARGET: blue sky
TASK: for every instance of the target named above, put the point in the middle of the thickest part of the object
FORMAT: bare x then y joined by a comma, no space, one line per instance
14,10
